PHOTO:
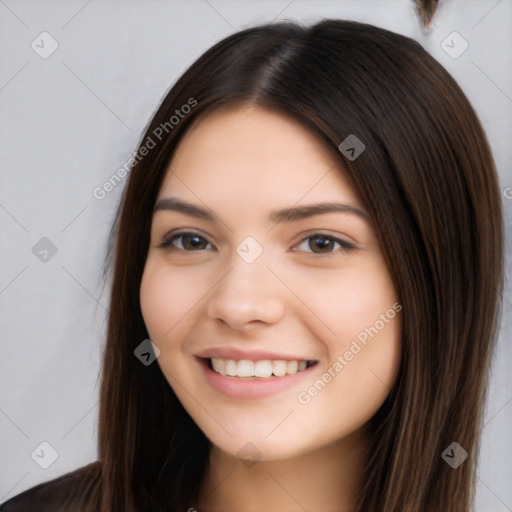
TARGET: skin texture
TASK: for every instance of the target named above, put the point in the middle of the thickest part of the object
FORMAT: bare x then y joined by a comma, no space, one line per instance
297,298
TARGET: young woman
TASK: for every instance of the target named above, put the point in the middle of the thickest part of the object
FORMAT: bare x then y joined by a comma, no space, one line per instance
311,238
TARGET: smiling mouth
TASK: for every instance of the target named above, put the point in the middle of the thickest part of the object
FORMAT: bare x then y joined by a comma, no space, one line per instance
262,369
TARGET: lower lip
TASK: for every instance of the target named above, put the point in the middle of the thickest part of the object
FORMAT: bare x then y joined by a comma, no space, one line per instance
236,387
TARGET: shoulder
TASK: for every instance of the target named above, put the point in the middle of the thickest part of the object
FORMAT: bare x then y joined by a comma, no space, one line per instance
61,494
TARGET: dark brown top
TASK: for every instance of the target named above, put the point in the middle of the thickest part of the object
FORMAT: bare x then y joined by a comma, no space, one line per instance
62,494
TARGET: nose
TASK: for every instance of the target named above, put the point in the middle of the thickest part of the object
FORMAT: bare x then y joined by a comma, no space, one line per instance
249,295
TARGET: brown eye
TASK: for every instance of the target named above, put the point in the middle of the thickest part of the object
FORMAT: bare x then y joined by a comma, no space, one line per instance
185,242
324,244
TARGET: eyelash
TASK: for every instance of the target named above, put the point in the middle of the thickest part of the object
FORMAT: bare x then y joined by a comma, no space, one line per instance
344,245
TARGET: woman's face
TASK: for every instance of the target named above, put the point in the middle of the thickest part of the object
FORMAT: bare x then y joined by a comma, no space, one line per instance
289,301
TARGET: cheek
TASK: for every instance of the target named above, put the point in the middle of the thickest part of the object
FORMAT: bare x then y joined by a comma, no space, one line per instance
348,301
367,305
166,298
355,383
370,336
362,311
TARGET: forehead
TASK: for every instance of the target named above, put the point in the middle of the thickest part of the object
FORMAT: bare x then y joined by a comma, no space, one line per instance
255,153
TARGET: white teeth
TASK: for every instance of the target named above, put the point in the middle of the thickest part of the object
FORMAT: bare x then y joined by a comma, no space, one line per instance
292,367
262,369
231,367
215,364
279,368
219,365
245,368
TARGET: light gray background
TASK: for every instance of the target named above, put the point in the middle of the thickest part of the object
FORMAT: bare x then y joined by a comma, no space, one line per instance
70,121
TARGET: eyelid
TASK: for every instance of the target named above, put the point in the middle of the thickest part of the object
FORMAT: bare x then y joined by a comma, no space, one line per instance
334,235
167,239
345,245
184,230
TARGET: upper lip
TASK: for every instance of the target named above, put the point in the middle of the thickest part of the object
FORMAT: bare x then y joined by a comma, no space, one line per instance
252,355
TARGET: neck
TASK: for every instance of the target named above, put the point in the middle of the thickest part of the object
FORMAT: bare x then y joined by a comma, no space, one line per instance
325,480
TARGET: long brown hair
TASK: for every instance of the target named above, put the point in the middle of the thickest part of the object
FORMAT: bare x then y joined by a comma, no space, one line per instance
427,179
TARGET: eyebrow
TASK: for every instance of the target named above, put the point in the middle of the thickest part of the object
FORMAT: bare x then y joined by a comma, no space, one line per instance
280,216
